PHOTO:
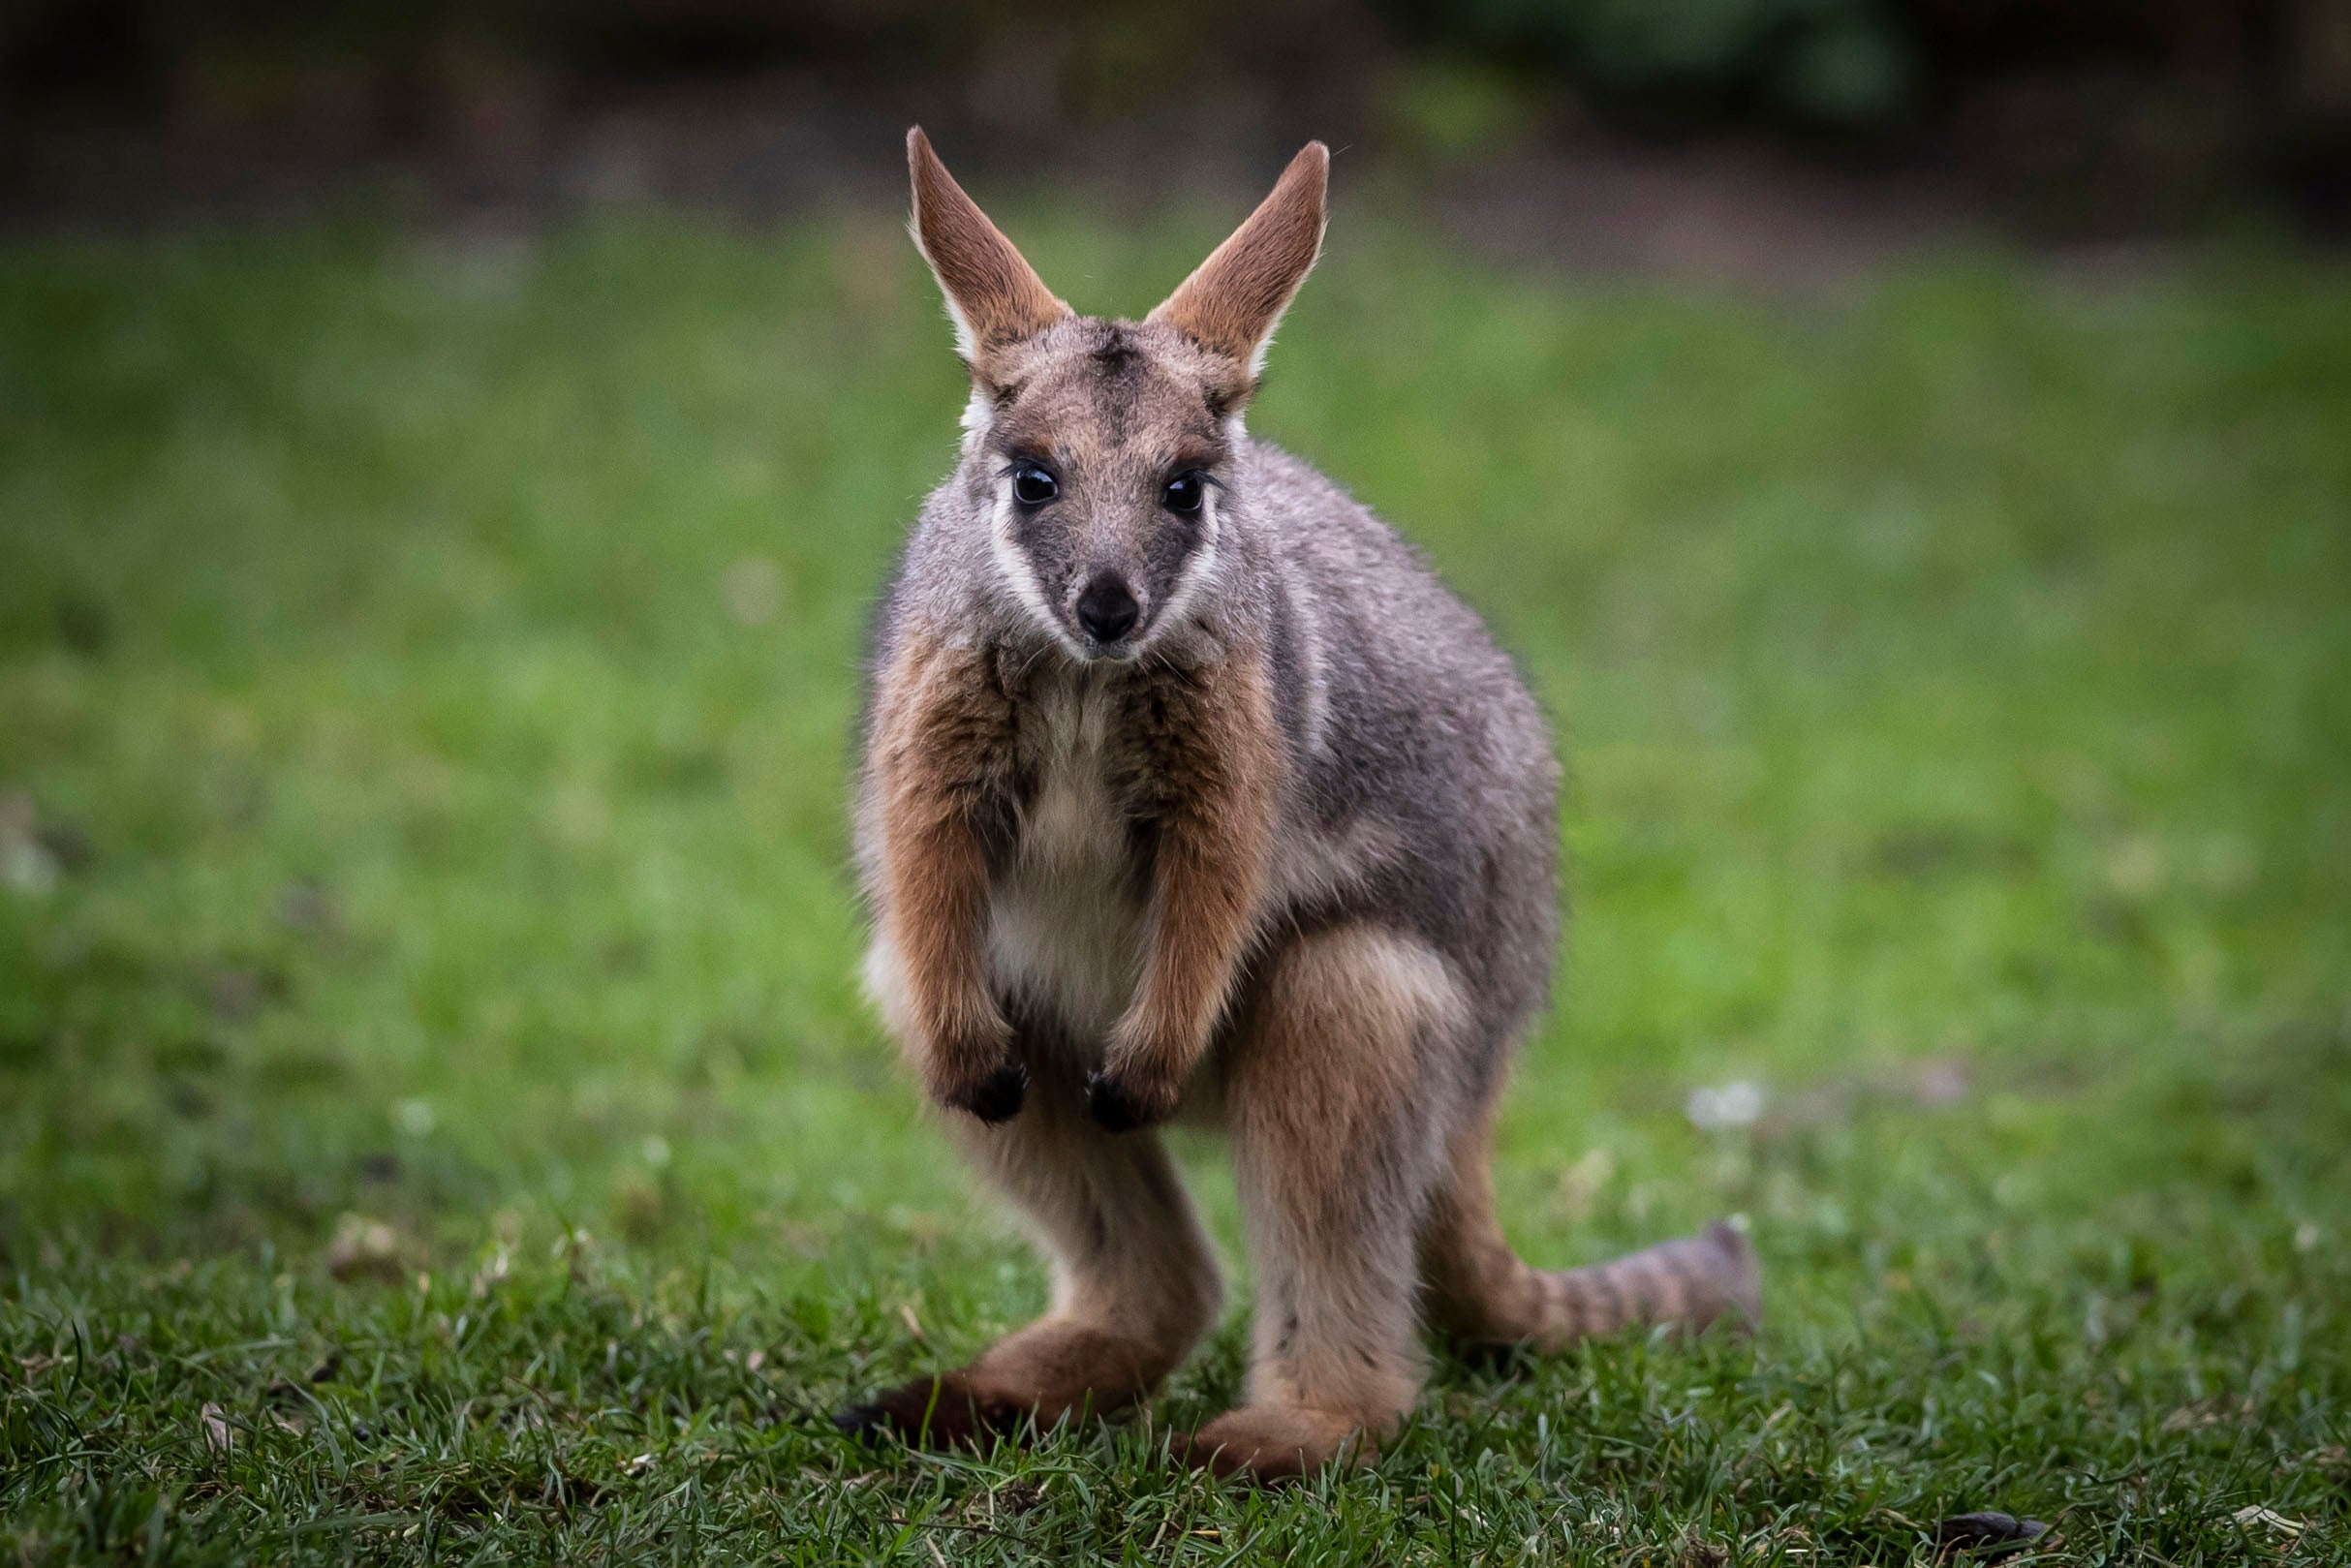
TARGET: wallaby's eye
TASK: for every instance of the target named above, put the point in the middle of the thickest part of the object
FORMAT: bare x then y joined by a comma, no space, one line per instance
1033,486
1183,494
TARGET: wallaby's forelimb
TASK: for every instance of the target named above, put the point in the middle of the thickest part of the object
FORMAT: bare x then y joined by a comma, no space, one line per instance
941,731
1210,768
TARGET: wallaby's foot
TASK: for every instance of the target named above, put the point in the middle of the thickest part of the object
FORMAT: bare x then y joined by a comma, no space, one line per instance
931,1412
1274,1442
1048,1371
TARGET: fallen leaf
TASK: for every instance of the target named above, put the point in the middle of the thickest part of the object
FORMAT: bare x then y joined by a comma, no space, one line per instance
216,1429
1989,1534
2254,1514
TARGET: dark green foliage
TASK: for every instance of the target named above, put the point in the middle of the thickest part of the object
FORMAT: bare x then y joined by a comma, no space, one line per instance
1844,62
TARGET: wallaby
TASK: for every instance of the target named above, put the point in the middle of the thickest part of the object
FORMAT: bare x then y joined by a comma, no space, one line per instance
1189,792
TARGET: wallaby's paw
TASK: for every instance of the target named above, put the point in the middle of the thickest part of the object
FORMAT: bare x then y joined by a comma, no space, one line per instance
994,1096
1117,1105
929,1412
1265,1443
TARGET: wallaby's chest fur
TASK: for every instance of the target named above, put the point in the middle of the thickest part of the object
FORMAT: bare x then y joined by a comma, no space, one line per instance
1066,888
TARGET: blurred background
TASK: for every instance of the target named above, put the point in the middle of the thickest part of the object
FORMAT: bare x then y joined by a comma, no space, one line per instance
1662,131
446,454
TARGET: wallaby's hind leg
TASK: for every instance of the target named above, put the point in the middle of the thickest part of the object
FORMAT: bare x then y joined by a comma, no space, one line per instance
1328,1106
1481,1290
1135,1281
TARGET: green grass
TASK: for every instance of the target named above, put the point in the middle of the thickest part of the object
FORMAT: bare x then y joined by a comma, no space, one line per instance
437,1123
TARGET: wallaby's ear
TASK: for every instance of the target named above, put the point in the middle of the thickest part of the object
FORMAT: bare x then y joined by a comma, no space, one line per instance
1230,304
993,295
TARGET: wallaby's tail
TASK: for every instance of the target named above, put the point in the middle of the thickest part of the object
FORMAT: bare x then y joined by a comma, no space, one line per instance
1481,1290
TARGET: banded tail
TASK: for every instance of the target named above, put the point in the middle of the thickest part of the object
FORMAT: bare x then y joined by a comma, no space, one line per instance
1482,1290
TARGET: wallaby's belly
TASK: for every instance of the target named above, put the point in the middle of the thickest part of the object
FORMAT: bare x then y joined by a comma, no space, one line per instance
1066,911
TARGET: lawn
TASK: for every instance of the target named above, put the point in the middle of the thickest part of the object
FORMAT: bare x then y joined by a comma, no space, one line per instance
437,1121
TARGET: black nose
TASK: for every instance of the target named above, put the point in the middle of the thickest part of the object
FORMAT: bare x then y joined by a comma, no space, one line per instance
1106,609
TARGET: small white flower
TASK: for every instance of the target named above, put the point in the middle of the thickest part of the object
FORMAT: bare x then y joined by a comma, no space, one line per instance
1735,1104
414,1117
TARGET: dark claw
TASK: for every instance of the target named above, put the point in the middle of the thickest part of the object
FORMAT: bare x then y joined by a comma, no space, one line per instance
1112,1107
1000,1094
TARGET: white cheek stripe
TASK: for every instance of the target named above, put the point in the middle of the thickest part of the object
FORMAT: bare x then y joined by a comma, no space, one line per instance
1013,562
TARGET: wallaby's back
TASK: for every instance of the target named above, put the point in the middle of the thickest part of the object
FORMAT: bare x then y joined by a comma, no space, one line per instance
1421,723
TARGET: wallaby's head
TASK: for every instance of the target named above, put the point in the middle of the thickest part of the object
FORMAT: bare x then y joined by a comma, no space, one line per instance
1096,452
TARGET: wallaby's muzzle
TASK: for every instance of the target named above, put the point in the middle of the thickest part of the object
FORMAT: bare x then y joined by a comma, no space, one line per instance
1107,610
